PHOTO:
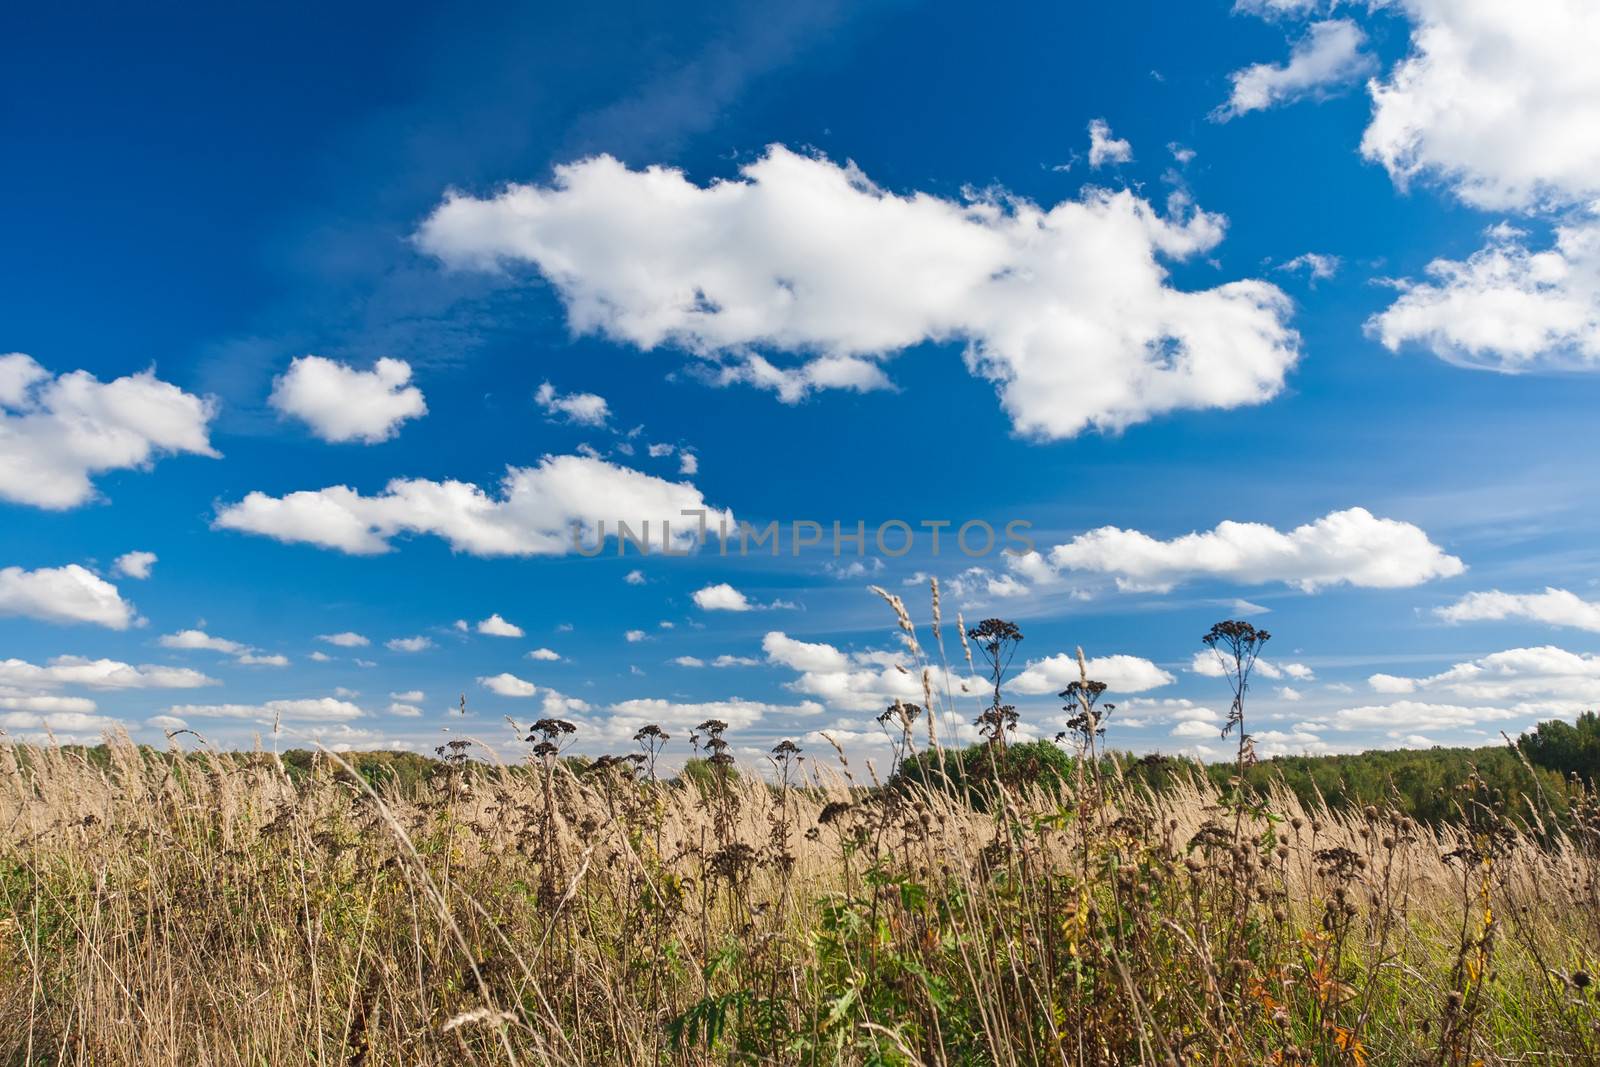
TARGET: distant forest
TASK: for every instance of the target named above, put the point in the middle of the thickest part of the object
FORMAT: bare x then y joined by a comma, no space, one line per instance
1539,771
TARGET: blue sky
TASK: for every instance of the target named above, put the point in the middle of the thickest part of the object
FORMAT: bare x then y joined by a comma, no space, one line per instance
1125,275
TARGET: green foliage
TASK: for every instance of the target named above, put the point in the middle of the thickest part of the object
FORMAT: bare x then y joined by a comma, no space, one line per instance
1566,749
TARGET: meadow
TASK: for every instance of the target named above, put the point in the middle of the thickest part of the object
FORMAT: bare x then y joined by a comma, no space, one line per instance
198,907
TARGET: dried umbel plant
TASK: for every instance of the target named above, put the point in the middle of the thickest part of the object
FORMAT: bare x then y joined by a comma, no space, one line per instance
997,641
651,739
1237,645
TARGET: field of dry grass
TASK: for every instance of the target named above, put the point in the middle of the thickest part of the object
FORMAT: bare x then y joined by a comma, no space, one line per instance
208,909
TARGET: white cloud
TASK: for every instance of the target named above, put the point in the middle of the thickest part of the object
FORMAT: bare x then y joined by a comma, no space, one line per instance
1318,267
200,640
165,722
56,722
689,661
405,711
1406,715
316,709
1506,307
410,696
1194,728
98,674
63,594
1069,310
320,657
1500,102
1534,683
547,654
533,516
1120,673
495,626
1390,683
57,432
263,659
134,564
1276,8
721,597
688,463
856,681
46,705
1209,665
585,409
1555,607
343,404
345,640
803,655
1104,148
409,644
554,703
734,661
1328,56
509,685
633,637
628,716
1344,547
634,577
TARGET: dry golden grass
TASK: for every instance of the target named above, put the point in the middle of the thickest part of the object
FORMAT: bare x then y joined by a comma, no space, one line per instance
208,910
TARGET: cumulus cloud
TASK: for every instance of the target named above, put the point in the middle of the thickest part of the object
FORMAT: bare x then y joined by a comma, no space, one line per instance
1416,715
409,644
679,718
724,597
404,710
533,515
341,403
57,432
584,409
134,564
553,704
1104,148
1344,547
508,685
315,709
63,594
345,640
547,654
45,705
1555,607
97,674
1208,664
856,681
1498,102
1522,683
63,726
199,639
1506,307
1068,310
495,626
721,597
1120,673
1328,56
